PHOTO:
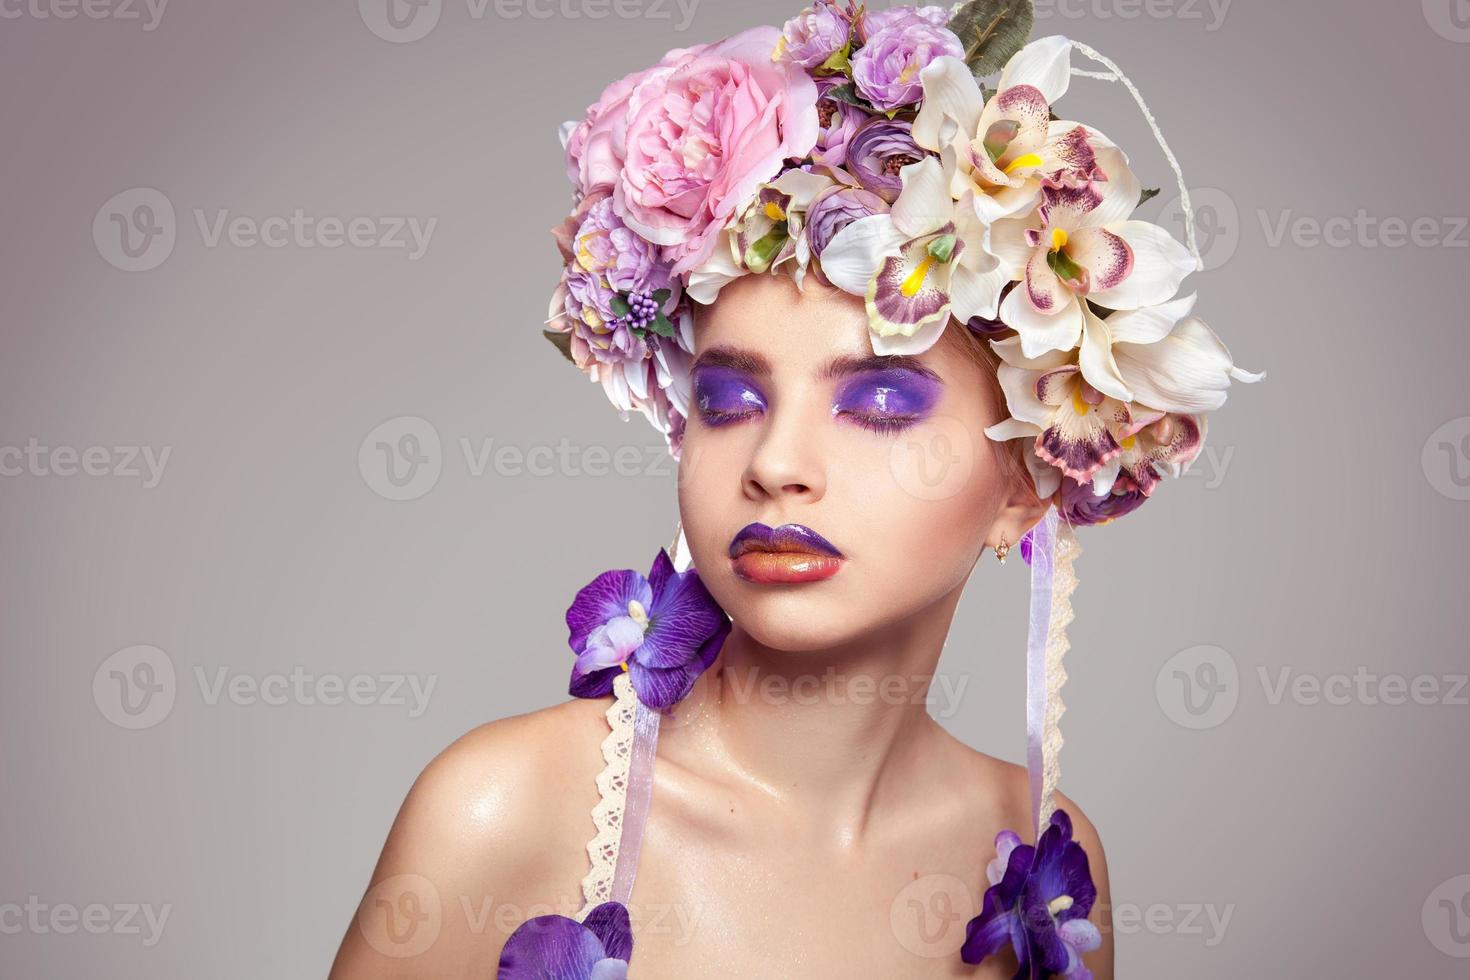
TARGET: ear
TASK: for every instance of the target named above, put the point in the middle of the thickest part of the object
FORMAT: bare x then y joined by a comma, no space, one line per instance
1021,511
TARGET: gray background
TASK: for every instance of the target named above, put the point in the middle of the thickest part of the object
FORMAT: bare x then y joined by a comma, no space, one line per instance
1325,537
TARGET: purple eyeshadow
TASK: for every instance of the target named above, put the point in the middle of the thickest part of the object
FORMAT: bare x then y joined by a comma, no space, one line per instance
892,396
726,395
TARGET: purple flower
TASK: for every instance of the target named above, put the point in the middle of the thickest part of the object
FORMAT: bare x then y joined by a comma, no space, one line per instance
838,120
617,288
886,69
1037,903
878,151
1083,508
881,20
815,34
665,630
836,208
554,947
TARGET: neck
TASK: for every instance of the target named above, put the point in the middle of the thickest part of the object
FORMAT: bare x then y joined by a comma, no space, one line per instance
838,732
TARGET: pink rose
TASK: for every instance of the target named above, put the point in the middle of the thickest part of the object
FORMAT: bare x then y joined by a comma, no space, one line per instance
595,149
701,133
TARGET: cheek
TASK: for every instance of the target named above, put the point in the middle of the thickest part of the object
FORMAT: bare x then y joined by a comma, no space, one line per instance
709,482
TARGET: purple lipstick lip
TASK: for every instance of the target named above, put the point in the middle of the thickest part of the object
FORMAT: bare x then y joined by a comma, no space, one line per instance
787,537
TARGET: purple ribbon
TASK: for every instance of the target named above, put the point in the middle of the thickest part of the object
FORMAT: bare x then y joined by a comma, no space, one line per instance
636,802
1041,554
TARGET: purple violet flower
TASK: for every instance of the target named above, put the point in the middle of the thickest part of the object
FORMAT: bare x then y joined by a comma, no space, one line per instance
1038,904
617,288
880,20
1083,508
838,120
815,34
886,69
836,208
554,947
664,630
878,151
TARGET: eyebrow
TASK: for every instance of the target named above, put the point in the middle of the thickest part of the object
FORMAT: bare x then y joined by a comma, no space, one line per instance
840,367
734,359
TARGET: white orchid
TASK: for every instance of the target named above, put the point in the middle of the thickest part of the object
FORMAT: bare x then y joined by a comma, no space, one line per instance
1129,403
768,232
1005,148
917,266
1081,245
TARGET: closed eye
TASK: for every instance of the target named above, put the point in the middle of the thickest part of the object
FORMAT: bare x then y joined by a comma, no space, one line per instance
724,395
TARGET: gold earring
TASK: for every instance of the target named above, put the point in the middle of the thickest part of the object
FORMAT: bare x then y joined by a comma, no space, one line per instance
1003,549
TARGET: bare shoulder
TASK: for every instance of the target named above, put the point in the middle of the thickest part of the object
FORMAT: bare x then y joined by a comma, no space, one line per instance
1004,795
493,831
1003,790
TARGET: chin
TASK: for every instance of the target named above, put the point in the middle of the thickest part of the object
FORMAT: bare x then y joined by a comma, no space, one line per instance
792,619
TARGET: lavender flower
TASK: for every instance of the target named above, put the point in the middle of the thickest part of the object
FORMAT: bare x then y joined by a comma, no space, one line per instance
665,630
836,208
878,151
1082,508
886,69
617,288
1038,905
839,122
815,34
554,946
905,16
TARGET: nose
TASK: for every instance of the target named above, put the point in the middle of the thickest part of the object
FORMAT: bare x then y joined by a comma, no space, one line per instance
786,461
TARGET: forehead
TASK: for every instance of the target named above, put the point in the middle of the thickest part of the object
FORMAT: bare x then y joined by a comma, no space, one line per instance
802,332
768,314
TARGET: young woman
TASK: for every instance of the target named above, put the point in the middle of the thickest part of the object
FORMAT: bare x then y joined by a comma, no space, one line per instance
810,257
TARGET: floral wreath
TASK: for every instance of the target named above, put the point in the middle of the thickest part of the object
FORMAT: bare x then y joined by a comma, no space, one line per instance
863,149
866,150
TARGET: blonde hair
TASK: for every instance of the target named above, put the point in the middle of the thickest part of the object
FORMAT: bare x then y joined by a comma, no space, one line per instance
1010,455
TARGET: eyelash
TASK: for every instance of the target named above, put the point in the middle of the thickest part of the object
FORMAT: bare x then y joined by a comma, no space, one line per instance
883,425
716,419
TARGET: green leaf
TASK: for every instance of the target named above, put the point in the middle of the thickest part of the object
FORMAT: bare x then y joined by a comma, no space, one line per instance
1149,193
838,63
992,31
561,341
848,94
620,306
661,296
661,326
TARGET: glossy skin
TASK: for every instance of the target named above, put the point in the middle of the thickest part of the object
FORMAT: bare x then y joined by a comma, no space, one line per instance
810,819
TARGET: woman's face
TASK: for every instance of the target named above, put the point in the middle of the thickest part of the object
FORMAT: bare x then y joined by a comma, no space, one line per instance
882,463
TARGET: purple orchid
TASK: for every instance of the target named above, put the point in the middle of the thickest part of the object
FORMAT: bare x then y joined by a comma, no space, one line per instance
554,947
1038,902
664,630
